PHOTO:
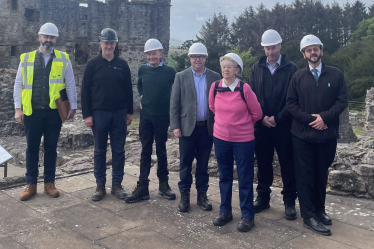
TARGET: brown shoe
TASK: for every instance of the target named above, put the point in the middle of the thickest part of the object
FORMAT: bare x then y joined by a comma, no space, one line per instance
50,189
28,192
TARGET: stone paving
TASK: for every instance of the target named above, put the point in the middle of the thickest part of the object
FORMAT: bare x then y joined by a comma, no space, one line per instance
74,221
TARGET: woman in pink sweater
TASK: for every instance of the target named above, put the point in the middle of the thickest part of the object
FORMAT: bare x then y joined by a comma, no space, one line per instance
236,109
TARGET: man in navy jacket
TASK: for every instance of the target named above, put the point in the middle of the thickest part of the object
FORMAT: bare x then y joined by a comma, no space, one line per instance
317,95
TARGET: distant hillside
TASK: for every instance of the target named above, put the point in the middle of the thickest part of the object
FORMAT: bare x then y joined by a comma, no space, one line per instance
175,42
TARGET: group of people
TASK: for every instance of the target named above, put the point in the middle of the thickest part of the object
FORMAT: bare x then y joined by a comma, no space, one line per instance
295,112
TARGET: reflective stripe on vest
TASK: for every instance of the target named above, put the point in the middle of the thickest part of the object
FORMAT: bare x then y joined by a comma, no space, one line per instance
56,78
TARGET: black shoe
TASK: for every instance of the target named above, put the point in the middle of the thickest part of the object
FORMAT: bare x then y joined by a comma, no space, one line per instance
290,212
99,193
245,225
140,192
203,202
324,218
316,226
118,191
165,190
184,204
222,219
261,204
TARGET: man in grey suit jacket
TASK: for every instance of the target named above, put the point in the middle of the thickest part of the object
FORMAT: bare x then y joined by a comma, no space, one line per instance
192,122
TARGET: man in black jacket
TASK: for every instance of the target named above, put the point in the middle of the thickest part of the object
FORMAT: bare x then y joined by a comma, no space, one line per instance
107,107
269,80
317,95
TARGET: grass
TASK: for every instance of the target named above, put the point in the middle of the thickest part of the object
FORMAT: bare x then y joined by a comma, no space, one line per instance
357,132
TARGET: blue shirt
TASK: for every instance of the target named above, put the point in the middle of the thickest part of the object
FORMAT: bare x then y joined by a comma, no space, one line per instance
202,101
160,65
277,64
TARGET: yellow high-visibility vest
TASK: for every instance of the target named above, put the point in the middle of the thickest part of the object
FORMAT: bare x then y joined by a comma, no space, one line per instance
56,78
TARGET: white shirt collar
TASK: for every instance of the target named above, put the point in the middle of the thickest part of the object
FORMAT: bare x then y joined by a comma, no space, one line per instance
232,86
319,68
278,61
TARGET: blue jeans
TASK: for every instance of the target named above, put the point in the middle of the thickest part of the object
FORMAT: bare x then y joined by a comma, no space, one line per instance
112,123
244,157
40,123
198,145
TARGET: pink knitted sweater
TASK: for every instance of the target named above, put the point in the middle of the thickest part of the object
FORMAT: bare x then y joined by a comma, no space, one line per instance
233,118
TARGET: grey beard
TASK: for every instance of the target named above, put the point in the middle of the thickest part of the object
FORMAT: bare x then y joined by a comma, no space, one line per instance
47,46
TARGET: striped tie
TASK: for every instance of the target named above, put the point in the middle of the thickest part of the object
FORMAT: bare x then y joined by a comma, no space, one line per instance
315,74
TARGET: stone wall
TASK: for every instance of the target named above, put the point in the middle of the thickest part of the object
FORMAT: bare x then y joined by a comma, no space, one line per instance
80,24
368,130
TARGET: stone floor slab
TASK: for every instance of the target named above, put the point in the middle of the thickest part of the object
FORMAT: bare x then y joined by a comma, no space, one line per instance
7,242
91,221
42,202
53,236
138,238
74,183
16,217
170,224
311,241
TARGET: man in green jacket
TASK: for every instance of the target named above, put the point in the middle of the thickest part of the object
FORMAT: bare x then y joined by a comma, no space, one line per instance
155,80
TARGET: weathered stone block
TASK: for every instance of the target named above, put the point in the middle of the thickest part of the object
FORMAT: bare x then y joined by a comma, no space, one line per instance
347,180
364,169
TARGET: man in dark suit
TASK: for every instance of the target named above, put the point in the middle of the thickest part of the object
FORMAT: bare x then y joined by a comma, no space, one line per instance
192,122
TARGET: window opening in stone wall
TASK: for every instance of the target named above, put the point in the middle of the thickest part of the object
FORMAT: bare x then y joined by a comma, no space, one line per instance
80,54
13,51
83,5
32,15
14,4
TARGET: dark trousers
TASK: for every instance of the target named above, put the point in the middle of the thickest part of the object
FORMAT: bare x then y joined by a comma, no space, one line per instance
244,156
112,123
198,145
312,161
153,127
266,140
40,123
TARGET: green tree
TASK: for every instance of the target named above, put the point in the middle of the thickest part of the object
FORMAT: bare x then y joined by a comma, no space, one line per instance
365,31
355,61
181,58
248,60
215,35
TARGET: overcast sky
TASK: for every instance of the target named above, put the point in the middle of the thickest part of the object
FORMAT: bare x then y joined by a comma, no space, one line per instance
187,16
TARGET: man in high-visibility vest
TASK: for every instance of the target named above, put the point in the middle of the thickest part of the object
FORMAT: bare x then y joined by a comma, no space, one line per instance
43,76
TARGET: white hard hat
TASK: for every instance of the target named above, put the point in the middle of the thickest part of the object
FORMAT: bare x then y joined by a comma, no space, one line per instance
270,37
198,48
48,29
152,44
309,40
234,57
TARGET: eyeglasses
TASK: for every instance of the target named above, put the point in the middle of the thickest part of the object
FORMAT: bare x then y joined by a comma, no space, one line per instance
228,67
309,50
195,57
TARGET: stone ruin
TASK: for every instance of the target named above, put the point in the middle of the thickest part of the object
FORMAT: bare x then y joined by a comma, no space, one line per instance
352,172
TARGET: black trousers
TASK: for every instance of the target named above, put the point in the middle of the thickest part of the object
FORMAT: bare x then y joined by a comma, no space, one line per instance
153,128
112,123
198,145
312,161
40,123
266,140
